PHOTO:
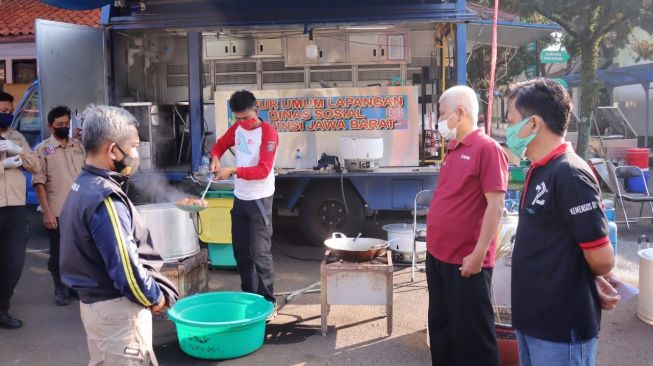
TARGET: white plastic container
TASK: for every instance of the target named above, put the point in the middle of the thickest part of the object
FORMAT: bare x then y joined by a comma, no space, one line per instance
402,248
645,301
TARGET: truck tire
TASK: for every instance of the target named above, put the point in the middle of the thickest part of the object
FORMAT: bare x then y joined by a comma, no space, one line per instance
322,212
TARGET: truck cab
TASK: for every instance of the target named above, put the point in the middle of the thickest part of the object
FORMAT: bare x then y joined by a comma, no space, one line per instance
27,121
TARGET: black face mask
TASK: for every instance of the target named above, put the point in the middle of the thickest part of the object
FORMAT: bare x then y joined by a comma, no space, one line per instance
5,120
62,132
128,165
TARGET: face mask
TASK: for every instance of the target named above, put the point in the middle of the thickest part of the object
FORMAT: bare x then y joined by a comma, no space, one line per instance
518,144
128,165
249,123
445,131
5,120
62,132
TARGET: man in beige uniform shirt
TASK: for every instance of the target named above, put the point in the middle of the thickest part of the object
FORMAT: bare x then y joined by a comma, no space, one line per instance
14,154
61,159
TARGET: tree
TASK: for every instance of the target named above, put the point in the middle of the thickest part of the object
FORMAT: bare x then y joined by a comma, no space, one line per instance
589,24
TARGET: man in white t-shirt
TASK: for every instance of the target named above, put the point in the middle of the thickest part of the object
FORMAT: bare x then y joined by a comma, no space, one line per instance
255,144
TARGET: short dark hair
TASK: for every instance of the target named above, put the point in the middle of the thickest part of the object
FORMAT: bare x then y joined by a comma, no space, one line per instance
241,101
57,112
6,97
546,98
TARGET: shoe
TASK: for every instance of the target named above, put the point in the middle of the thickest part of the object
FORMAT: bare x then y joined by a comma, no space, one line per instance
6,321
61,296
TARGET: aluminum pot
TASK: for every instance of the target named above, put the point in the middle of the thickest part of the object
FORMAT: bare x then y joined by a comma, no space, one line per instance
356,249
173,231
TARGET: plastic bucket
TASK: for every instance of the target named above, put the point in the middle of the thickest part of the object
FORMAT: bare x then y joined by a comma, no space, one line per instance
636,184
637,157
222,255
221,325
216,219
645,301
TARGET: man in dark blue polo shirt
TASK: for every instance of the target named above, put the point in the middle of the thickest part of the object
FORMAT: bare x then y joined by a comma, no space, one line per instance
562,249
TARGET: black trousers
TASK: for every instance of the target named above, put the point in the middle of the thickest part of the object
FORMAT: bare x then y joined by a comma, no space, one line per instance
53,262
13,238
461,319
252,240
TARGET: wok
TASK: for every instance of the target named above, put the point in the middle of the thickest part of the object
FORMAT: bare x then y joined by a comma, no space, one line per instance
356,249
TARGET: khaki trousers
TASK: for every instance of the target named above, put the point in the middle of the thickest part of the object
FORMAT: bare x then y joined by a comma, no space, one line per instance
118,332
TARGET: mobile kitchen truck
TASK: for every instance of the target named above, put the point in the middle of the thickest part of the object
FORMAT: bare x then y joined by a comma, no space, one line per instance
354,79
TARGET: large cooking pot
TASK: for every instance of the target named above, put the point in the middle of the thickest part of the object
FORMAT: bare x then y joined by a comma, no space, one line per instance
356,249
173,231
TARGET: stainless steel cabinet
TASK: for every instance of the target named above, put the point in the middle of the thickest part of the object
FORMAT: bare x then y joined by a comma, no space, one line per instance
269,47
217,48
379,47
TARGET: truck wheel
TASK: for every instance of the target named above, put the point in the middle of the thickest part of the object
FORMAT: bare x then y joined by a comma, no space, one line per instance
322,212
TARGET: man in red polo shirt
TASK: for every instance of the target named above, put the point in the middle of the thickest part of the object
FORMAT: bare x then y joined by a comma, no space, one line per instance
462,223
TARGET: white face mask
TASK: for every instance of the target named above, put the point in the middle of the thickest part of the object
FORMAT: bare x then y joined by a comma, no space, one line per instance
445,131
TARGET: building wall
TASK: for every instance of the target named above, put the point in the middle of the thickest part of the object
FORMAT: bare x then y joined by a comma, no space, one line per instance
11,53
630,99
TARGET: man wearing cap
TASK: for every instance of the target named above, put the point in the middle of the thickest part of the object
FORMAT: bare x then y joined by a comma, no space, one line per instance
14,154
61,159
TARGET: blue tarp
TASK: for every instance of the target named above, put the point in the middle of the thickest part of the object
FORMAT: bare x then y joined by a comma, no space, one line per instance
628,75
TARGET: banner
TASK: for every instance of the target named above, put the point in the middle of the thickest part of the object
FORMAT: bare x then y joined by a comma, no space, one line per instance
339,113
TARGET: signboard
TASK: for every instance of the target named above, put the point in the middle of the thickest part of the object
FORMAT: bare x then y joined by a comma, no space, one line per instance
340,113
530,72
315,120
554,57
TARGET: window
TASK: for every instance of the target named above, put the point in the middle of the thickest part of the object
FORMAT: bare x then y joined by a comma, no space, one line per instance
24,71
3,74
29,119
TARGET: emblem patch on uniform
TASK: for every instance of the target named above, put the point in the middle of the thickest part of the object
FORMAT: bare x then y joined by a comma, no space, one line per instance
270,146
49,150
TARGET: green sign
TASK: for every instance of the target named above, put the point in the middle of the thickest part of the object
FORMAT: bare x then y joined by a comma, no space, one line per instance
554,57
530,72
562,82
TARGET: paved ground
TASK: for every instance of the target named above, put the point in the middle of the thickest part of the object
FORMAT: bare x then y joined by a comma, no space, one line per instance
356,336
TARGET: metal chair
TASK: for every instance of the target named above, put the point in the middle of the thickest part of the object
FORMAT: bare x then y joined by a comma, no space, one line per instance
617,177
422,201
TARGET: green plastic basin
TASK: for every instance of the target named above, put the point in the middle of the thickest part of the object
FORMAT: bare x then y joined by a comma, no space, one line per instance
221,325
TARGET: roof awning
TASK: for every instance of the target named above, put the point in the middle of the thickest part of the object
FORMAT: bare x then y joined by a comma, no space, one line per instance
509,34
78,4
622,76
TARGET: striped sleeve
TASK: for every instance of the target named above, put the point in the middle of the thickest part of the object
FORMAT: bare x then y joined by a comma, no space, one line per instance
111,231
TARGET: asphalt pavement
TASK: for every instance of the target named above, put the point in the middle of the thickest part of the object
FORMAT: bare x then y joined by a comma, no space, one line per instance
356,335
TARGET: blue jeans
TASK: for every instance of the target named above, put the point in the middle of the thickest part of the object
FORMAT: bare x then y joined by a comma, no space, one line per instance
538,352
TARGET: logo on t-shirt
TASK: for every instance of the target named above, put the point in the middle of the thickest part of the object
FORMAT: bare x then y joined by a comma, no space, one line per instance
241,143
541,191
270,146
465,157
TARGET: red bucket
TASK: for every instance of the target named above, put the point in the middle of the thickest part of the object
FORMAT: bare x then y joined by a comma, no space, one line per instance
637,157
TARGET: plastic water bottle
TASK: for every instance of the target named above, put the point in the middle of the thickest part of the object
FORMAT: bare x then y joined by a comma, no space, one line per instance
298,159
204,169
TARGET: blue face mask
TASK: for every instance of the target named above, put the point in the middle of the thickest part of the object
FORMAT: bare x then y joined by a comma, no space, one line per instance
5,120
518,144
